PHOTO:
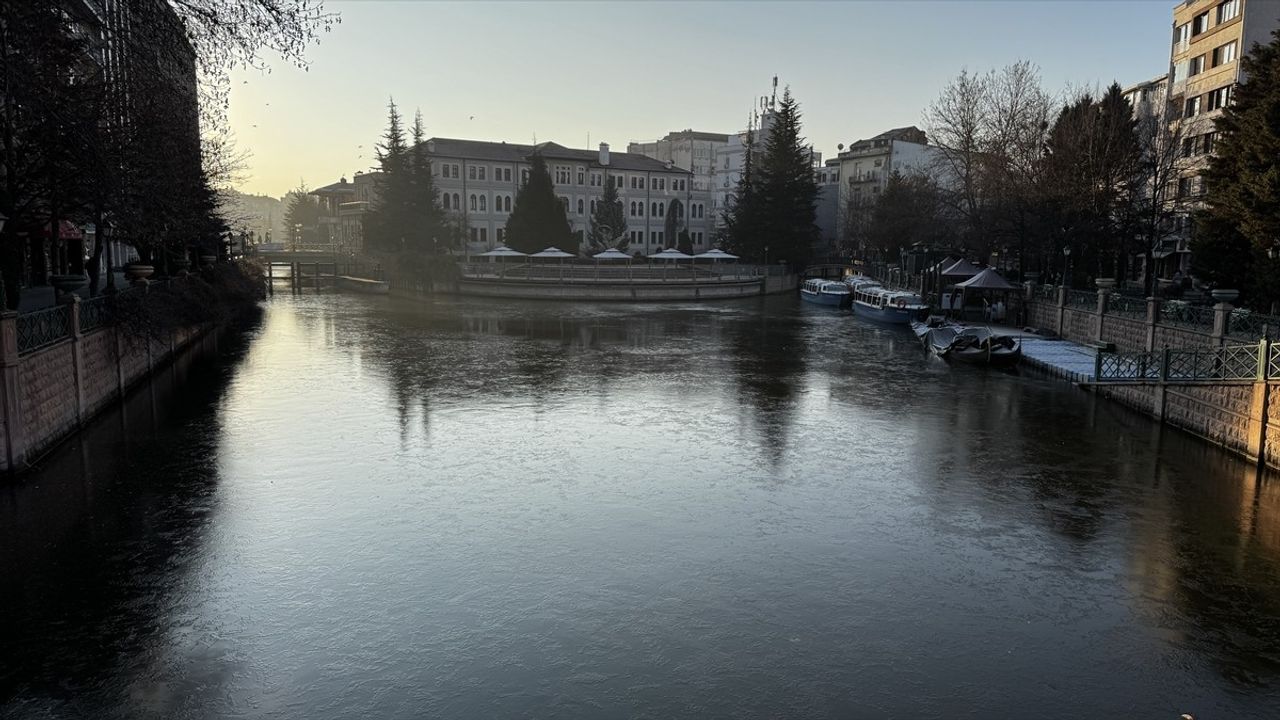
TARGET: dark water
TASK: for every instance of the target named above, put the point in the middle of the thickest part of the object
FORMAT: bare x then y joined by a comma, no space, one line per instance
382,509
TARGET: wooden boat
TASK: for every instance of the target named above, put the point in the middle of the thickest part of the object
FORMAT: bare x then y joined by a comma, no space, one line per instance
978,345
825,292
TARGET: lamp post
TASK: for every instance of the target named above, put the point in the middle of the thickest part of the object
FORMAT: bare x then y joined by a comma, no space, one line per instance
4,305
1066,262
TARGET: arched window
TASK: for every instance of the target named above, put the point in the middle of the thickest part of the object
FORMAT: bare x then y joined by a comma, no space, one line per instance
483,204
508,203
473,202
446,201
457,201
581,204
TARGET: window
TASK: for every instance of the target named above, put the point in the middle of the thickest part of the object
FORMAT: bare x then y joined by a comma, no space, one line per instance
480,173
632,208
642,183
1228,11
484,204
1224,54
500,234
634,184
1182,37
505,175
582,177
484,235
1188,147
596,179
1219,98
457,201
1197,66
524,176
581,205
563,175
471,173
456,169
1207,144
1193,107
1180,71
653,209
1184,187
564,203
473,202
445,201
593,207
1199,24
617,181
475,234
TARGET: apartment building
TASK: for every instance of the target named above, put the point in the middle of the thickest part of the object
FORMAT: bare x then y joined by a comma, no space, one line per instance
1150,98
1209,37
480,181
691,150
866,165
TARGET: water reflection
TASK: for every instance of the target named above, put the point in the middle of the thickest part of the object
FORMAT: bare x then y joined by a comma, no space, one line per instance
485,509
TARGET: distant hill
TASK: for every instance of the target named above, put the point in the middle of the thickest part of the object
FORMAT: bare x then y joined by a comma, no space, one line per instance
255,213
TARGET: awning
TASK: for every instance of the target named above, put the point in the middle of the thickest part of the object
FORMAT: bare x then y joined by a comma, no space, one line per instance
67,230
986,280
961,268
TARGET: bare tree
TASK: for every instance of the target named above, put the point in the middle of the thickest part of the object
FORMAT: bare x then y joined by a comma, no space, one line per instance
1156,201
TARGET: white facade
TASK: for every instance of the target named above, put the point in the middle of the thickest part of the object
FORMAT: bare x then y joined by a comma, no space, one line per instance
480,180
867,165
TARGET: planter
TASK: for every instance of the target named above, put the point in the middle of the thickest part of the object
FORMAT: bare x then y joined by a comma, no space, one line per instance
67,283
138,271
1105,283
1224,295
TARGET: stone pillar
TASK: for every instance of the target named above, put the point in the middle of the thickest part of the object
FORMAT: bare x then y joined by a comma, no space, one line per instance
1062,304
77,352
1221,316
1153,315
1104,297
10,400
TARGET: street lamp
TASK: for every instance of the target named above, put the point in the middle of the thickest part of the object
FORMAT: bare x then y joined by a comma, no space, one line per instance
1066,272
3,303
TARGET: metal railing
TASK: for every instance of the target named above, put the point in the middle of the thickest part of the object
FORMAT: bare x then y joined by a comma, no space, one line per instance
43,328
94,313
1082,299
1230,362
1045,292
1181,314
1127,306
1247,325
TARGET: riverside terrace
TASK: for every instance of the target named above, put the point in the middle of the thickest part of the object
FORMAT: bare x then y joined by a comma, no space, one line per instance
634,281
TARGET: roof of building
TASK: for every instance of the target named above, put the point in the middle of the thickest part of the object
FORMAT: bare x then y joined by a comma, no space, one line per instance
696,135
1146,83
910,133
341,187
514,153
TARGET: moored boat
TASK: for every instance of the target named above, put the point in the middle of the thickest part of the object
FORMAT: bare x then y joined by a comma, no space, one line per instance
825,292
968,343
897,307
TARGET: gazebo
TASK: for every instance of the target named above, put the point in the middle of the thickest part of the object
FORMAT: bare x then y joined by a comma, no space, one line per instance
988,282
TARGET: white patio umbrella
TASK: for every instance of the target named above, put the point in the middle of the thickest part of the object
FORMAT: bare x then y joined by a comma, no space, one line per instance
553,252
502,251
715,254
670,254
611,254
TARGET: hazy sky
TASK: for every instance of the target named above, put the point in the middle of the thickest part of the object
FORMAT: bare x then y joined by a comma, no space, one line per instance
620,71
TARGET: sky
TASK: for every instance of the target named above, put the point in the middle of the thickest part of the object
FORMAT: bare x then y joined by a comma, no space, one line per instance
624,71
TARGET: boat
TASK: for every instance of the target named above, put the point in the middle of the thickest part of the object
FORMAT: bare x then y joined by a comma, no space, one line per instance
974,344
874,302
825,292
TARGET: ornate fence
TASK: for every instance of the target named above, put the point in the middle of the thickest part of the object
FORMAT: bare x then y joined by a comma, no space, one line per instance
1127,306
1246,325
1230,362
1082,299
1181,314
43,327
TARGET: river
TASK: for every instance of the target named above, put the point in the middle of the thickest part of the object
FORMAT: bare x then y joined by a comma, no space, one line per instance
383,508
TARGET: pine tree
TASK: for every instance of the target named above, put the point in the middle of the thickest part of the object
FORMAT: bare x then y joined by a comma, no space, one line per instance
1243,182
788,187
389,225
608,223
741,230
301,216
538,219
425,211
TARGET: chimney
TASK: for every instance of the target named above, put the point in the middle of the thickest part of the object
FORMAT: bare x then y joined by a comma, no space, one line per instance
604,153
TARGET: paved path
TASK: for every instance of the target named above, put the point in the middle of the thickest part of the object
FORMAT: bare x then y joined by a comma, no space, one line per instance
42,296
1059,358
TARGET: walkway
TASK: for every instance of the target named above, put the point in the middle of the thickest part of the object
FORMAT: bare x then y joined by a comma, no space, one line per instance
1055,356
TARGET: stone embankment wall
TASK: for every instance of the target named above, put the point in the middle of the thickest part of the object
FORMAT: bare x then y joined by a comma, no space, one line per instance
1241,416
50,392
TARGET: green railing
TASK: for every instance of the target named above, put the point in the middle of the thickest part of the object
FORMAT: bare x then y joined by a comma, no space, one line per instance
1227,363
1247,325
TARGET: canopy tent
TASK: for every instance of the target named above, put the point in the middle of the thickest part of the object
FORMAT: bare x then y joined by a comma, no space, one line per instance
988,279
961,268
670,254
941,265
611,254
502,251
715,254
551,252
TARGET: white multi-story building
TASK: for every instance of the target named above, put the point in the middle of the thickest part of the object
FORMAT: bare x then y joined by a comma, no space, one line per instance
867,165
1149,99
691,150
480,181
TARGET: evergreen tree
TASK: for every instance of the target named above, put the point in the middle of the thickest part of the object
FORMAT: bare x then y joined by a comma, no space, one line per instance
608,214
301,215
1243,182
538,219
389,226
787,187
424,208
685,243
672,222
775,205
